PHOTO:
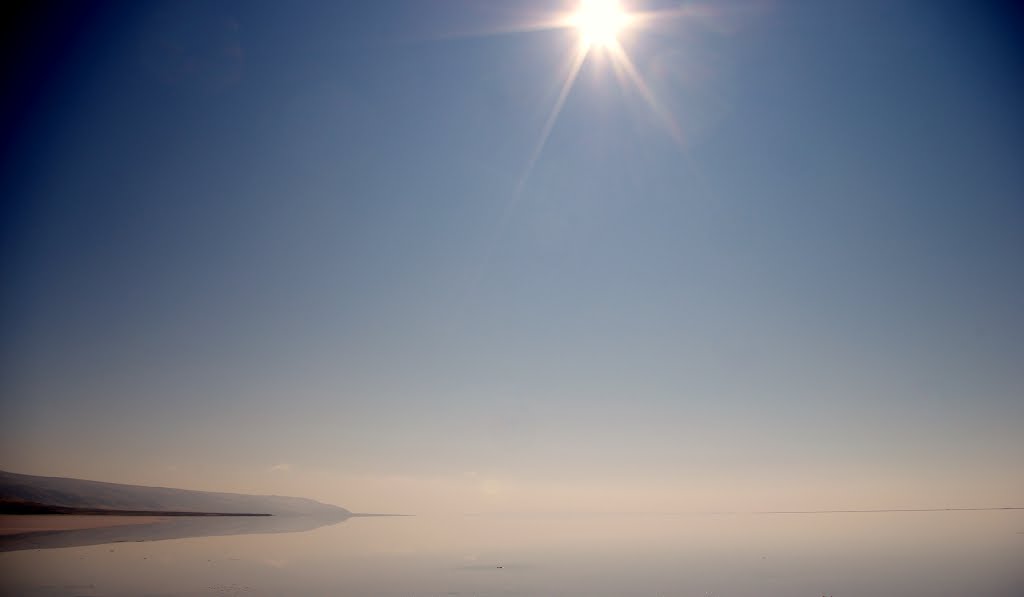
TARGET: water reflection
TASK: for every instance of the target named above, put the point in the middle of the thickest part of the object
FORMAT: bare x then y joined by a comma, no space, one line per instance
929,554
170,528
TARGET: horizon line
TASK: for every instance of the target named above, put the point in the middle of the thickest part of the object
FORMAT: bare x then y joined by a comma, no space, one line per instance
728,512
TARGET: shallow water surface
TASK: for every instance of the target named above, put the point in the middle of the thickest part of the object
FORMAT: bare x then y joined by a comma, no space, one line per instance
785,555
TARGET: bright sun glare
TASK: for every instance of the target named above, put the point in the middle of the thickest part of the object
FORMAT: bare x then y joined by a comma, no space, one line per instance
599,22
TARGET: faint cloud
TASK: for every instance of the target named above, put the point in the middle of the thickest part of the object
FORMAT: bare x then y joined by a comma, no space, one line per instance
280,468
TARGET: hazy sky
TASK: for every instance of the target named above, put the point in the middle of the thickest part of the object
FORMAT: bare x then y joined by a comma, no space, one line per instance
306,249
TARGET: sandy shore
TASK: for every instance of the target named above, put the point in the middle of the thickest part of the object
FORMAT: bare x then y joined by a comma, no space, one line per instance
22,523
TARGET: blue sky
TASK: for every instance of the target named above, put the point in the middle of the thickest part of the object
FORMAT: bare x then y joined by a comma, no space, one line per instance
305,249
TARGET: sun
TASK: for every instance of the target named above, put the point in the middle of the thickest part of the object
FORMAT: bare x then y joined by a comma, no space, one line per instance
598,25
599,22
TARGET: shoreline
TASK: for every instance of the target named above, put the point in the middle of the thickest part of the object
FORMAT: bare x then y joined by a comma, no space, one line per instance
17,508
75,519
17,524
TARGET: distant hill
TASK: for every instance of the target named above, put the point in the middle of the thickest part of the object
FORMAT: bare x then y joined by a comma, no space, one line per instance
60,492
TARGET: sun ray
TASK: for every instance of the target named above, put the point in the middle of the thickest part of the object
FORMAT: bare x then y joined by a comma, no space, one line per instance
572,71
621,61
550,23
570,79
